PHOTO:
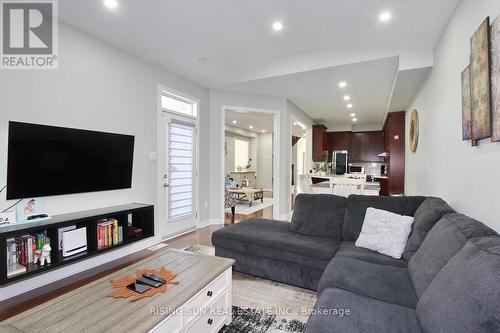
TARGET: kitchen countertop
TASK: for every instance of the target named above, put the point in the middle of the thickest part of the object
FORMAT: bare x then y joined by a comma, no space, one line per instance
366,185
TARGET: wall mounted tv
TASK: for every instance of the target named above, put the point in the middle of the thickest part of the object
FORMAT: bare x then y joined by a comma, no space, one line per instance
47,160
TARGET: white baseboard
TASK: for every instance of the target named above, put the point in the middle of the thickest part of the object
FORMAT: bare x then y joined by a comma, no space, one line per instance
43,279
208,222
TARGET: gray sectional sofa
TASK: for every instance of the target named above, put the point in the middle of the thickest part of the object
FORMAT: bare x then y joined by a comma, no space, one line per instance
447,281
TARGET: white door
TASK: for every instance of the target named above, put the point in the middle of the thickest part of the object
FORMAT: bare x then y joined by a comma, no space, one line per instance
179,174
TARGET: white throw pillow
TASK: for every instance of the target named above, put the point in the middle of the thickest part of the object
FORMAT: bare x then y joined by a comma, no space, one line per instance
385,232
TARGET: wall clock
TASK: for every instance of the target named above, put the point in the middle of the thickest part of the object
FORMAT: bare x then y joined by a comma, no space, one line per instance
413,131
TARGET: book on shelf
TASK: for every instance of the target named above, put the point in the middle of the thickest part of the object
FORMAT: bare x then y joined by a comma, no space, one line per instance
109,233
21,251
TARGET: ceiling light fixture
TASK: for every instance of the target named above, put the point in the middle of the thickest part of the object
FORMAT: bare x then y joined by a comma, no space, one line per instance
251,127
263,131
277,26
385,16
349,106
342,84
111,4
355,119
235,122
353,115
347,98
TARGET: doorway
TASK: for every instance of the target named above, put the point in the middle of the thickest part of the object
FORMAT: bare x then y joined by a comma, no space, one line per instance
178,164
250,180
299,156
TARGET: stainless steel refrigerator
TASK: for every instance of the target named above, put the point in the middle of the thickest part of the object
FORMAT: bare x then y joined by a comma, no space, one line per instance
339,160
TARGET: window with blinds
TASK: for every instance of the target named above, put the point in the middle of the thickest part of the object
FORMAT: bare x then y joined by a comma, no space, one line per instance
181,170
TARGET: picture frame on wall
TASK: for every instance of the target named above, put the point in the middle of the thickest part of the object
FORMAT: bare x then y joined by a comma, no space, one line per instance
495,79
480,82
466,105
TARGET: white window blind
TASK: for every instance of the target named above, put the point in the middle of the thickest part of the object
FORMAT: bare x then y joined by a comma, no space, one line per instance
181,170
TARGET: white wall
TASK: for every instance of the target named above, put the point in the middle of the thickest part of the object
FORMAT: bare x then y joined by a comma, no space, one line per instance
97,87
444,165
265,160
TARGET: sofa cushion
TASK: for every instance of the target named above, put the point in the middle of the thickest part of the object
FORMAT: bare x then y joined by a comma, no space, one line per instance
319,215
340,310
465,295
427,214
383,282
385,232
443,241
348,249
275,239
357,205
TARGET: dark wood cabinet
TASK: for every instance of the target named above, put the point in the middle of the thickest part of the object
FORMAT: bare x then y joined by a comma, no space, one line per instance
366,146
384,186
336,141
363,147
394,141
318,138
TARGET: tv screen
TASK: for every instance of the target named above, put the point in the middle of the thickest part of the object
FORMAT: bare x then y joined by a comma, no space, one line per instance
47,160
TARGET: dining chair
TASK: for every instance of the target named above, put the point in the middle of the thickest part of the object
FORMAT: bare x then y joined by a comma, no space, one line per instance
346,186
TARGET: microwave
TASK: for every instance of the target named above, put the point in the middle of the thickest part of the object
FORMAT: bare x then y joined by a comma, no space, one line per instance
359,169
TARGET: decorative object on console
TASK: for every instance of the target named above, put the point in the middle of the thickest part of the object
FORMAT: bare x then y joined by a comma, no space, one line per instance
495,79
122,283
480,82
43,255
31,209
414,131
385,232
7,218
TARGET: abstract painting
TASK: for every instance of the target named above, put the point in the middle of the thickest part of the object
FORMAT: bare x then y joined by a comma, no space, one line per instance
466,107
495,79
480,82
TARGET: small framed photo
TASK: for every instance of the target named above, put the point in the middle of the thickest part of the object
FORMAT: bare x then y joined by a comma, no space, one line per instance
29,207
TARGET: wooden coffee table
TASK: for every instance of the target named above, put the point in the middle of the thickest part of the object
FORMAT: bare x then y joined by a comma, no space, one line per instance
248,194
201,302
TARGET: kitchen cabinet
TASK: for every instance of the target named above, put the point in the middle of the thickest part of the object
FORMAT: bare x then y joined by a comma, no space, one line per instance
365,147
318,138
394,142
384,185
336,141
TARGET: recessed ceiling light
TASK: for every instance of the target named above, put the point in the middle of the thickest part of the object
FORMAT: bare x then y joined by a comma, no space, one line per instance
263,131
342,84
347,97
353,115
251,127
277,26
385,16
349,106
355,119
235,122
111,4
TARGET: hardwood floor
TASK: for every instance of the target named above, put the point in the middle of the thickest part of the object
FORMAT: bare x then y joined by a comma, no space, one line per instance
202,236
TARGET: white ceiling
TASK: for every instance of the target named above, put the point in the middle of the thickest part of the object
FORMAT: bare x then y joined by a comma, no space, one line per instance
244,119
317,92
235,42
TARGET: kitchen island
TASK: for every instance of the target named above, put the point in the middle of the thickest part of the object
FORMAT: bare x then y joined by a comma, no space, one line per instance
367,188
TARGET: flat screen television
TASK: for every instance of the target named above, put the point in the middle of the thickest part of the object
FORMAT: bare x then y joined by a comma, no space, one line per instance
48,160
